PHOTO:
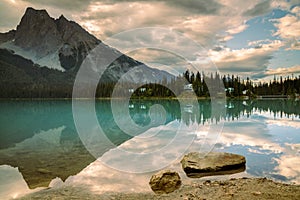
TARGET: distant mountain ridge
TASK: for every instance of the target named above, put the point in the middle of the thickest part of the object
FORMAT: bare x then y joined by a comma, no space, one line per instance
58,46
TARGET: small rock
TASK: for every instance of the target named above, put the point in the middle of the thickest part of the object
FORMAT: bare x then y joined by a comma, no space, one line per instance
256,193
222,183
230,194
165,182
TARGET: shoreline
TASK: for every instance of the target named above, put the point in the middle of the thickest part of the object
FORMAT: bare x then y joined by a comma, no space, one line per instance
147,98
234,188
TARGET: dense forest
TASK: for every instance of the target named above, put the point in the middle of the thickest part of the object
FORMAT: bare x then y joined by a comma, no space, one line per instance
21,78
233,86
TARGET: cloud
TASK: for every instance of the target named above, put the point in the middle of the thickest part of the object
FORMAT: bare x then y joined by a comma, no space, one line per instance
284,70
259,9
296,10
207,22
285,122
288,27
198,6
12,183
289,166
194,6
11,11
252,133
62,4
144,151
284,4
256,136
204,29
258,43
114,18
160,59
247,61
294,45
9,15
289,163
237,29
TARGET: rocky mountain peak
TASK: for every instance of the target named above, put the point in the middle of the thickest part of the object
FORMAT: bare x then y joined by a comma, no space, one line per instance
62,17
8,36
47,39
37,32
31,11
73,34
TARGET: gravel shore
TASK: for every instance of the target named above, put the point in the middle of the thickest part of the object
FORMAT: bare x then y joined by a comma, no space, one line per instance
242,188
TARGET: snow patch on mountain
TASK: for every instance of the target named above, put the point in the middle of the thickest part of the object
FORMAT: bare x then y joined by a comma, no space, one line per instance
51,60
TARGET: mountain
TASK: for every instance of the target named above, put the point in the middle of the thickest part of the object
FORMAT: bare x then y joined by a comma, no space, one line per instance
43,50
55,43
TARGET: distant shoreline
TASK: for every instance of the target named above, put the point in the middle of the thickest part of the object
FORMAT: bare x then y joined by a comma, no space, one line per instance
144,98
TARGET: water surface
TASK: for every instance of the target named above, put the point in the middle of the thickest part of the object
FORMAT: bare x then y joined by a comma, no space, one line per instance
39,144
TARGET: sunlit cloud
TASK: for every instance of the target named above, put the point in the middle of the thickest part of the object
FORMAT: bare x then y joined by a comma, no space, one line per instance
248,61
294,45
251,133
12,183
284,71
289,166
237,29
288,27
13,1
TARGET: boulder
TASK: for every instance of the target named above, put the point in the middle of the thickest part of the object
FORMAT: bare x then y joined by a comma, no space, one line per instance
165,182
197,165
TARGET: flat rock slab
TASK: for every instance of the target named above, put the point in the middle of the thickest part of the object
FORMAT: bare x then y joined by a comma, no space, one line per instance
165,182
197,165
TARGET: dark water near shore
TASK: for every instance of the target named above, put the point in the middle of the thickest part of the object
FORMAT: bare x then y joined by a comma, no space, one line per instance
39,143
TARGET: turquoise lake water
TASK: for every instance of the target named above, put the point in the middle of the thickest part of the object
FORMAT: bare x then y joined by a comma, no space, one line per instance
40,145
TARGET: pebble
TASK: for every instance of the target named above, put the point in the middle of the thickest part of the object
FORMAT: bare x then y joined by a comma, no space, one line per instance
230,194
256,193
222,183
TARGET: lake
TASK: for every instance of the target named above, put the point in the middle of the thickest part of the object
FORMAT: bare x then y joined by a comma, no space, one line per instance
41,145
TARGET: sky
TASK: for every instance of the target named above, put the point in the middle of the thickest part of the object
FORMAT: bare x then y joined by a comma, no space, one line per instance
256,39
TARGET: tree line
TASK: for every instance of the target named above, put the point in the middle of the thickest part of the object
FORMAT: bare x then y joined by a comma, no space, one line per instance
230,85
202,85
